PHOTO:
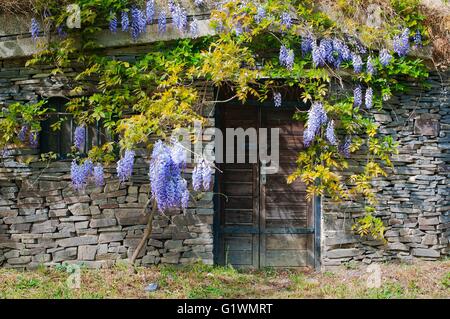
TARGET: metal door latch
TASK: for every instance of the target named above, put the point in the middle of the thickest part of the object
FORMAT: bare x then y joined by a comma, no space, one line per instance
263,179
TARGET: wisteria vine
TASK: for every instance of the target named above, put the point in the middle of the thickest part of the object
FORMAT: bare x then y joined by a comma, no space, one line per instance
257,40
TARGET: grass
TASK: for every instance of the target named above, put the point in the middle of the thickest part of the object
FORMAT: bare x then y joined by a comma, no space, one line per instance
421,280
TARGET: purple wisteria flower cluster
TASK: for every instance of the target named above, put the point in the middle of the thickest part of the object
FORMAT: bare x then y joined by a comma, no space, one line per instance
417,38
162,22
260,14
330,135
401,43
317,117
34,29
98,175
125,21
34,139
113,23
80,138
385,57
286,20
358,97
138,23
179,17
369,98
306,44
125,166
202,176
23,133
168,187
317,55
357,63
344,148
136,19
150,11
193,28
80,174
33,136
277,100
326,51
370,66
329,51
286,57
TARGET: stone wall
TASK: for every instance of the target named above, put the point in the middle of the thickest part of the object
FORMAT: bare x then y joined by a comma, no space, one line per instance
44,221
414,200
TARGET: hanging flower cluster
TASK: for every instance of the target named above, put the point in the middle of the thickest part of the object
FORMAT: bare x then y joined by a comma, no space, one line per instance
330,135
140,19
357,96
138,22
385,57
329,51
370,67
260,15
81,173
401,43
316,118
168,187
202,176
113,23
32,136
286,57
307,45
193,28
23,133
34,29
125,166
149,11
417,39
277,99
162,22
125,21
344,148
286,20
369,98
99,175
357,63
80,138
179,17
34,139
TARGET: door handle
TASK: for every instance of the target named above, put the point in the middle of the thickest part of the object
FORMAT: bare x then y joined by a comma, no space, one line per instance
263,179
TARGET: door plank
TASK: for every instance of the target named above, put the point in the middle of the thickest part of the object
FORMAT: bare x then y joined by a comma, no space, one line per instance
286,258
286,241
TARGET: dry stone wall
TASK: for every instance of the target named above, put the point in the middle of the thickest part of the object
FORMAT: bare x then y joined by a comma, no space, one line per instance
414,199
43,221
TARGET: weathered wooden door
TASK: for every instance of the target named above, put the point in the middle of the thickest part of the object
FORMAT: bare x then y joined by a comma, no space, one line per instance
262,220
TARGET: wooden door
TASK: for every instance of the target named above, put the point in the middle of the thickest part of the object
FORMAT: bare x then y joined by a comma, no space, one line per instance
263,221
286,235
239,199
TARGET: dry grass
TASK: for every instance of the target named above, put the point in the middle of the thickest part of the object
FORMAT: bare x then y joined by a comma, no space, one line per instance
17,6
422,280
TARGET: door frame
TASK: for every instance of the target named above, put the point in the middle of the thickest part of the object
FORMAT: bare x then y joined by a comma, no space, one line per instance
315,209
